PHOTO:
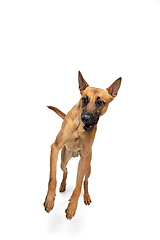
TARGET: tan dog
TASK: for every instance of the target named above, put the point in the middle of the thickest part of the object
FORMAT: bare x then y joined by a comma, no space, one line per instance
76,138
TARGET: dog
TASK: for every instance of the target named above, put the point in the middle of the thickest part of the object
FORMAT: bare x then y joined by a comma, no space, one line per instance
76,138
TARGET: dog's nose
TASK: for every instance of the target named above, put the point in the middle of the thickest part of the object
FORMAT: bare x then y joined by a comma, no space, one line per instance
85,118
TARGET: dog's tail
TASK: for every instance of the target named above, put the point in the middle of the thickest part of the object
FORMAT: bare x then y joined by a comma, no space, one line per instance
56,110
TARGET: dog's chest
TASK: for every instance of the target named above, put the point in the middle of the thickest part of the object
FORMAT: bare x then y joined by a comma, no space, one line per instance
74,144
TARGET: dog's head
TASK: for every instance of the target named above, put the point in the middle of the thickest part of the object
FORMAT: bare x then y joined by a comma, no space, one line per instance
95,101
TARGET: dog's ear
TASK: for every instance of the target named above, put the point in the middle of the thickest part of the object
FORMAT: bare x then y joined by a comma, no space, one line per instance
113,89
82,83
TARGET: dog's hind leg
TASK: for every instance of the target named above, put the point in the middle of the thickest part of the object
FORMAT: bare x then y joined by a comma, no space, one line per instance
65,157
87,199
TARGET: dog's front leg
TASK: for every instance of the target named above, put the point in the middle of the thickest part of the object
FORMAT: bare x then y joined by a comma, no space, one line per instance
61,139
49,201
72,206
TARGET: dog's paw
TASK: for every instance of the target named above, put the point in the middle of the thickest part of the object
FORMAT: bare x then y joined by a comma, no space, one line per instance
62,187
49,202
87,199
71,210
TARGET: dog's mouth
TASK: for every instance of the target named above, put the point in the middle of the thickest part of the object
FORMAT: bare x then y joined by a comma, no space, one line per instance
89,120
88,127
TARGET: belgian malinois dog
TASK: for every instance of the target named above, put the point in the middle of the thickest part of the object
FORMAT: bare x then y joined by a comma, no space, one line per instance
76,138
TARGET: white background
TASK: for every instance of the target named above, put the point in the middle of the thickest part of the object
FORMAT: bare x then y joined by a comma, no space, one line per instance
43,44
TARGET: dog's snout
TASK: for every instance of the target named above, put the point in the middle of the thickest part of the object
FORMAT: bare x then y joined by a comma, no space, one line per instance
85,118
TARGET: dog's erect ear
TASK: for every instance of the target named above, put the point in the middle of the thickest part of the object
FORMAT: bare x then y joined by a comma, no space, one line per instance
82,83
113,89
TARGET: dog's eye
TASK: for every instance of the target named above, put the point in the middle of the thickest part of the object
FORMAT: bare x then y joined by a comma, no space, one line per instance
85,100
100,103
